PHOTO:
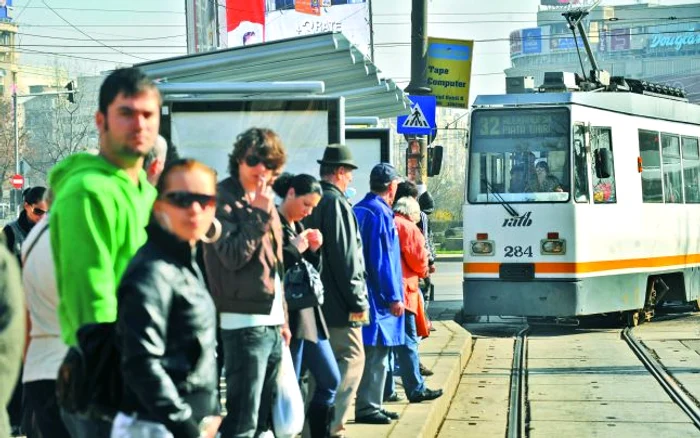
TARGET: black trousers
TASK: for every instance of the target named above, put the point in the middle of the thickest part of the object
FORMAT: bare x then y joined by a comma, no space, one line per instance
42,418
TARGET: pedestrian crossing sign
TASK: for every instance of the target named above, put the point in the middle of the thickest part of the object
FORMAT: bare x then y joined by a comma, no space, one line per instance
421,120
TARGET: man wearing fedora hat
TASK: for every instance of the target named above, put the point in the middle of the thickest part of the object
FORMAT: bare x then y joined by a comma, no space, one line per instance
343,275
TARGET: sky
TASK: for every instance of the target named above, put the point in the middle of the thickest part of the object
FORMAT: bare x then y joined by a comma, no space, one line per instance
85,36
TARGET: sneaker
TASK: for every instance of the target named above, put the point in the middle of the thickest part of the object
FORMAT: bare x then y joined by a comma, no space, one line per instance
424,371
427,394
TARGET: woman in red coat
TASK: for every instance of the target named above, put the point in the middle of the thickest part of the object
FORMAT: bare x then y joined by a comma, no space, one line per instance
414,265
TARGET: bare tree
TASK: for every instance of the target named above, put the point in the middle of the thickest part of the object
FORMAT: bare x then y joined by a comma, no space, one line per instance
7,143
56,129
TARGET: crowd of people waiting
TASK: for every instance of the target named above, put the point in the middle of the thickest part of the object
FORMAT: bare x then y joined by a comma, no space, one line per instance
186,277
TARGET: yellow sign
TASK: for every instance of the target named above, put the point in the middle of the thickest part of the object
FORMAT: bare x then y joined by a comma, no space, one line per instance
450,70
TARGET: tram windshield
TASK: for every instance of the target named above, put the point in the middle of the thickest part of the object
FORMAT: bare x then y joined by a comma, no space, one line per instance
521,154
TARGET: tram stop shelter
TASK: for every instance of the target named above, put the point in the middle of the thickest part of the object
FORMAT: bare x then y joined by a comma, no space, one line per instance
327,57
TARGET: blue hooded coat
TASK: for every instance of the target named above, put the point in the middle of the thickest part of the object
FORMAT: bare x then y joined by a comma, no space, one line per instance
380,243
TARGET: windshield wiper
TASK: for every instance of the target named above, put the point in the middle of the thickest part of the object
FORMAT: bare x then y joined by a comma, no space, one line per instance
509,208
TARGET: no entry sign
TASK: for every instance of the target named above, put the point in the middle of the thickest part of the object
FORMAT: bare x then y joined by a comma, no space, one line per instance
17,181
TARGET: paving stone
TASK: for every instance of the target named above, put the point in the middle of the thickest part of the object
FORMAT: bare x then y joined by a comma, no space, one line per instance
607,429
462,429
632,412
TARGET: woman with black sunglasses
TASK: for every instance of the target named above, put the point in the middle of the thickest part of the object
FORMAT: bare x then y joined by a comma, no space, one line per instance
166,323
35,207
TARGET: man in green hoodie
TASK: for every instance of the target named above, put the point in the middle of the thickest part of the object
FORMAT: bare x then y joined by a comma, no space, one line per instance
101,207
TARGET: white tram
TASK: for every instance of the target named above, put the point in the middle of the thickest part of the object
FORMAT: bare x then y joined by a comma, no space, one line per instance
580,203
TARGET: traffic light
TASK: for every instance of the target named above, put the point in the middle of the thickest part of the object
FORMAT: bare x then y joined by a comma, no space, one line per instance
434,160
72,90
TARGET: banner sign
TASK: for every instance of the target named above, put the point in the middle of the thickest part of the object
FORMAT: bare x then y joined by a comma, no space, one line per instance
532,40
449,70
259,21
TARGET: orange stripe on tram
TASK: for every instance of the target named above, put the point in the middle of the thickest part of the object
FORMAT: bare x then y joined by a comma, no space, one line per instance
588,267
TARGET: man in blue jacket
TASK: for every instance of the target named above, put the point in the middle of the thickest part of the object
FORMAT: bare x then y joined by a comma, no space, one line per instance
380,243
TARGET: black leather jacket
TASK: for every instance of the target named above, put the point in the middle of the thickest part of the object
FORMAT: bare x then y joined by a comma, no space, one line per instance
166,331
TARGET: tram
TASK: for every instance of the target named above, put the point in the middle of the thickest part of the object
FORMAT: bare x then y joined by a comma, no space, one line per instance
581,203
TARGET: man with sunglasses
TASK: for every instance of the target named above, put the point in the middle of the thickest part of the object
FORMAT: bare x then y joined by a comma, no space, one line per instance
244,268
101,208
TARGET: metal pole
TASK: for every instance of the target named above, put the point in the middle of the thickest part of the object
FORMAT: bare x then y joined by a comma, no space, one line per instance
14,111
419,86
371,32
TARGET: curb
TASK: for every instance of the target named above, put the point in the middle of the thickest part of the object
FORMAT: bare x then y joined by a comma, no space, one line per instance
425,419
446,352
449,257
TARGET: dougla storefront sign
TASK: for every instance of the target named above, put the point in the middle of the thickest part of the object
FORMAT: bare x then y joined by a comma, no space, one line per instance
677,42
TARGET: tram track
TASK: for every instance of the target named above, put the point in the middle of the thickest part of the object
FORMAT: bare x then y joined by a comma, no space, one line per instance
667,382
518,389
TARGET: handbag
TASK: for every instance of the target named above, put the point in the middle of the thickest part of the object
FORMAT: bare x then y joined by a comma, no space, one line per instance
288,405
422,321
302,286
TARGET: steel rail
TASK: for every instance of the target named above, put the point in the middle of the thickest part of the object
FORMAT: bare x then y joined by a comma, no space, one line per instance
667,382
517,386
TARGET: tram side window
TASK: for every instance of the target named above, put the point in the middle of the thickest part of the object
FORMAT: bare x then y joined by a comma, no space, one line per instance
603,188
580,165
673,181
691,170
652,190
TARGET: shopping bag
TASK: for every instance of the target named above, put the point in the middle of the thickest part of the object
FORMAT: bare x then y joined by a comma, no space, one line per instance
288,405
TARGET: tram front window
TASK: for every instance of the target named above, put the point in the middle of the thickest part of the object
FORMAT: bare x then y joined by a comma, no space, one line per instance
519,155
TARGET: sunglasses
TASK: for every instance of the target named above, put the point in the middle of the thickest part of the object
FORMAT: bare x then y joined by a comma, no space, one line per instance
186,199
38,211
253,160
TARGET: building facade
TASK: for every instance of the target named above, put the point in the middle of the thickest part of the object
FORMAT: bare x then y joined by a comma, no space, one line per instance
640,41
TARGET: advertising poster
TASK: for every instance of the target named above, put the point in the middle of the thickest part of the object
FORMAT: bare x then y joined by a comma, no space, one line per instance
619,39
516,43
532,40
257,21
5,9
449,71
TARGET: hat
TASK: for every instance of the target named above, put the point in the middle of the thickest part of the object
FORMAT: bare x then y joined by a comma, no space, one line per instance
426,202
383,173
338,154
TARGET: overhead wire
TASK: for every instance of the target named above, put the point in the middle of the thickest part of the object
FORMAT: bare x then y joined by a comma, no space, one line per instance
94,39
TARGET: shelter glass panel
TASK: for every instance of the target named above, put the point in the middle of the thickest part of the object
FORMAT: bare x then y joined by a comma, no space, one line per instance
603,188
519,155
673,179
691,170
652,189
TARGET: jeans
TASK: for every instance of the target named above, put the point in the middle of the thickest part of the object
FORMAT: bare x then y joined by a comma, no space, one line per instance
392,370
319,360
42,418
80,426
251,363
408,361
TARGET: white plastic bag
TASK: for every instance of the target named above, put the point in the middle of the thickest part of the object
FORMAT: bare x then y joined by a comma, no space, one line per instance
288,405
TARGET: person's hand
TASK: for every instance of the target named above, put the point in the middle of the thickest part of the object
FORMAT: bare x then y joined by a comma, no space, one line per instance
264,199
431,269
210,426
301,242
315,239
396,308
286,335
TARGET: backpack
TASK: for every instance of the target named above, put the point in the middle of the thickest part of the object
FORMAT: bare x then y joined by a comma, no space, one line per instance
89,379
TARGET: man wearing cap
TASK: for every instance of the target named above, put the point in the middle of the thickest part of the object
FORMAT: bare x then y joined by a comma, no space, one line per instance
385,292
343,276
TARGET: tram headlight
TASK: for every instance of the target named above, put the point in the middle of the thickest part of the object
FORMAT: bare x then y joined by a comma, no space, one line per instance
482,247
553,246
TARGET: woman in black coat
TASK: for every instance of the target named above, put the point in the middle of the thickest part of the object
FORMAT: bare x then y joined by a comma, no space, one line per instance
166,323
310,347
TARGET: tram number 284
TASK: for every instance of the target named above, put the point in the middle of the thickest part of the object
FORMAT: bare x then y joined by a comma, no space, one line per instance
518,251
